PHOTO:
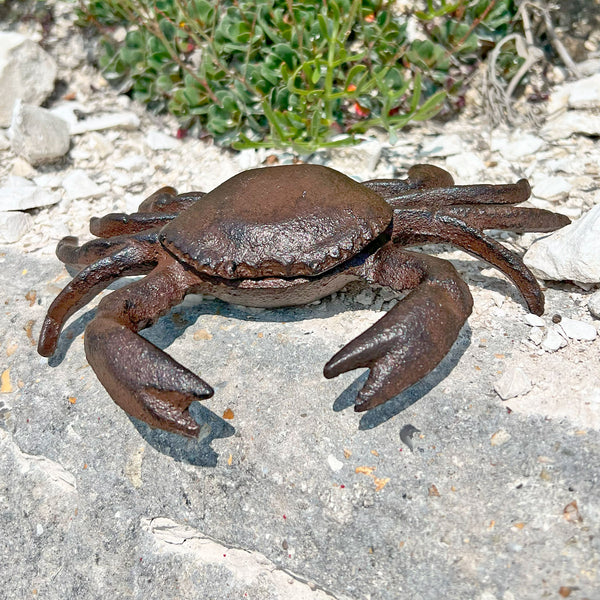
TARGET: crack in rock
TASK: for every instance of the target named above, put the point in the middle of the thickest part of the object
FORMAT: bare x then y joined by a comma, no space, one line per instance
250,567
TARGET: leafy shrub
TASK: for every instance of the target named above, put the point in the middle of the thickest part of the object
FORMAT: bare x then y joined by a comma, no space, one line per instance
305,74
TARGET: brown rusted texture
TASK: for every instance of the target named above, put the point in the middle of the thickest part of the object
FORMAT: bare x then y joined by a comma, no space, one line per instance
284,236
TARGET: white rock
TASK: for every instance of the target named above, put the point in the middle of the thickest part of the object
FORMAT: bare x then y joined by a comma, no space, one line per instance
22,194
536,335
521,145
466,165
157,140
443,145
514,382
132,162
552,188
121,120
497,439
23,168
571,253
553,340
77,185
335,464
13,226
591,66
99,145
569,123
584,93
578,330
358,160
4,143
594,304
37,135
533,320
27,73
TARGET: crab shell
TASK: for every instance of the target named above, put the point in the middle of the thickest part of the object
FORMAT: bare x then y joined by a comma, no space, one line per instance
312,219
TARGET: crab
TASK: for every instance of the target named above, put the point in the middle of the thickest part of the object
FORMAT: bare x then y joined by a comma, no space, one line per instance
282,236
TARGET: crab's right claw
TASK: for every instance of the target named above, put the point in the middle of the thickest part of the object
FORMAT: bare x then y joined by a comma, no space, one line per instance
411,339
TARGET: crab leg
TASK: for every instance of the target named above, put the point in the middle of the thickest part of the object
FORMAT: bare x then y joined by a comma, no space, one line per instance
510,218
416,226
142,379
115,224
156,210
413,337
90,281
69,252
419,177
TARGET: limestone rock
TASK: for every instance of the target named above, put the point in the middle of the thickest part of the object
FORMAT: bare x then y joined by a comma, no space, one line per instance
553,340
578,330
571,253
22,194
569,123
443,145
37,135
514,382
157,140
27,72
552,188
467,166
78,185
13,226
584,93
594,304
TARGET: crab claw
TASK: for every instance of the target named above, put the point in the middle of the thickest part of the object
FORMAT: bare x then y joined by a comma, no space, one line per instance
415,335
142,379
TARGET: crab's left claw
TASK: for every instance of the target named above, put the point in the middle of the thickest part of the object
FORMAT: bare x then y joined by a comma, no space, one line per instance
413,337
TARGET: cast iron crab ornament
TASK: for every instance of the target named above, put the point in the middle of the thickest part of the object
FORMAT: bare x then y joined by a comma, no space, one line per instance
282,236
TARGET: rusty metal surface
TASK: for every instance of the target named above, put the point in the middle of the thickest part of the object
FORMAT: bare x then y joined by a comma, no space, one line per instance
285,236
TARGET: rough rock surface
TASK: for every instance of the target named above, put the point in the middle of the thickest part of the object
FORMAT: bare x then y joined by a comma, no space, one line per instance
572,253
288,493
27,73
37,135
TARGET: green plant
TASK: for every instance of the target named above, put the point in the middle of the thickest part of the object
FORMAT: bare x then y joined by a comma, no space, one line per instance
281,73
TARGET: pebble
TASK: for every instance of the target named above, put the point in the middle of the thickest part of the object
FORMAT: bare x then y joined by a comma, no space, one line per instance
358,160
334,464
468,166
554,189
536,335
521,145
132,162
157,140
594,304
578,330
365,297
22,194
442,146
78,185
571,253
500,437
553,340
121,120
533,320
37,135
514,382
569,123
13,226
99,145
27,73
584,93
